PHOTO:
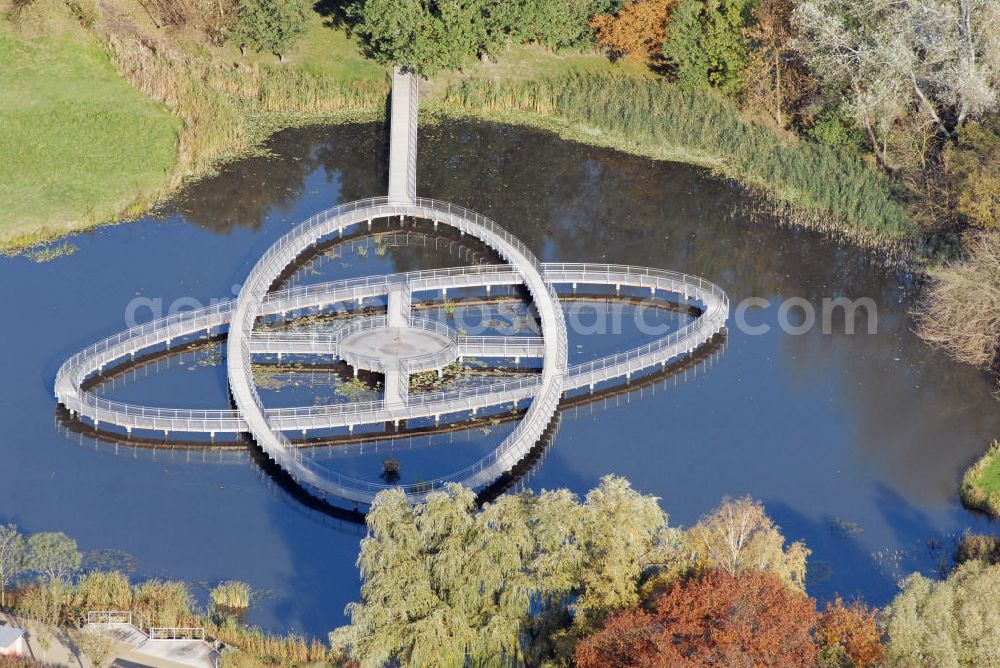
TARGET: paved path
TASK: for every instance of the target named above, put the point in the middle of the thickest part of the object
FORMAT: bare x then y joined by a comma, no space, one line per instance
61,652
133,645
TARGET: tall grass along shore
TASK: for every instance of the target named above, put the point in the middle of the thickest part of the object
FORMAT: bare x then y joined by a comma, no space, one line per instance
664,121
108,116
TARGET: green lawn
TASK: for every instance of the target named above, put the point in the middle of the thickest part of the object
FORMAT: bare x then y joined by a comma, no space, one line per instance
531,61
330,51
79,144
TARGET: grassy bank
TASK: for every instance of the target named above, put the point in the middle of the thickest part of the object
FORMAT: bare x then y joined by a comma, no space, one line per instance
78,145
649,117
980,488
192,105
110,114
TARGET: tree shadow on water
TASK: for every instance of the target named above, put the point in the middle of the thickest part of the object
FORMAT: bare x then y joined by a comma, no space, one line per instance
839,563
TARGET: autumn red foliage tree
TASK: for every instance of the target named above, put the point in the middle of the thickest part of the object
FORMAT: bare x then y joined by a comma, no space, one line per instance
715,620
636,31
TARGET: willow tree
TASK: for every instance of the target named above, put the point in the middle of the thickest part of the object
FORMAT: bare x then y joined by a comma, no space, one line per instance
951,623
448,584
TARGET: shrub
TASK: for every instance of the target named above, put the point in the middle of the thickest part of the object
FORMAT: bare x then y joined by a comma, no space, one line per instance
978,546
960,311
833,128
231,594
974,163
850,632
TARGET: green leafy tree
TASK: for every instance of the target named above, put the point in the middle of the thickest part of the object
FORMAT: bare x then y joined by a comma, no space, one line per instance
445,584
53,555
428,36
560,24
12,558
707,43
269,25
55,558
951,623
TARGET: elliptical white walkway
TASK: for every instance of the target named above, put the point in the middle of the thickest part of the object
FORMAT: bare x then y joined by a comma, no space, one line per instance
267,425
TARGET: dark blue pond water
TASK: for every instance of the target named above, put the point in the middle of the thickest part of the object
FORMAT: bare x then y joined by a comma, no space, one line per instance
854,442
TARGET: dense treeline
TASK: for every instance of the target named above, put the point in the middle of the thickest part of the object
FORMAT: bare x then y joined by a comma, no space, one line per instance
435,35
551,579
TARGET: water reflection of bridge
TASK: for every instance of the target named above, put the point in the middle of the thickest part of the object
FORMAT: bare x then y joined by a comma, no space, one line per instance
240,449
395,345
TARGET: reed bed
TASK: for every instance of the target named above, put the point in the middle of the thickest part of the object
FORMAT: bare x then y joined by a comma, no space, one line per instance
231,595
660,119
169,603
221,105
267,648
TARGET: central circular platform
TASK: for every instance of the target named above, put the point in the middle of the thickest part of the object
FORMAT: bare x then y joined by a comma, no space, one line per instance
389,345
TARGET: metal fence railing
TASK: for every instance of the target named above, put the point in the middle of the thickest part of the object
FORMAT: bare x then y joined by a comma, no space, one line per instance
267,424
324,415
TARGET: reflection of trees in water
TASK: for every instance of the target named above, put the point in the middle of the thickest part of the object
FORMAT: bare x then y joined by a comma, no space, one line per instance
353,160
591,203
917,415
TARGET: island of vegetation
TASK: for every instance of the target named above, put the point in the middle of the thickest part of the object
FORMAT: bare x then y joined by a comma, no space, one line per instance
980,488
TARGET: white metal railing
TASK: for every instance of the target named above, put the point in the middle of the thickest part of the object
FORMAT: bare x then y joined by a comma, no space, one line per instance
151,632
176,633
501,346
284,251
577,376
110,617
